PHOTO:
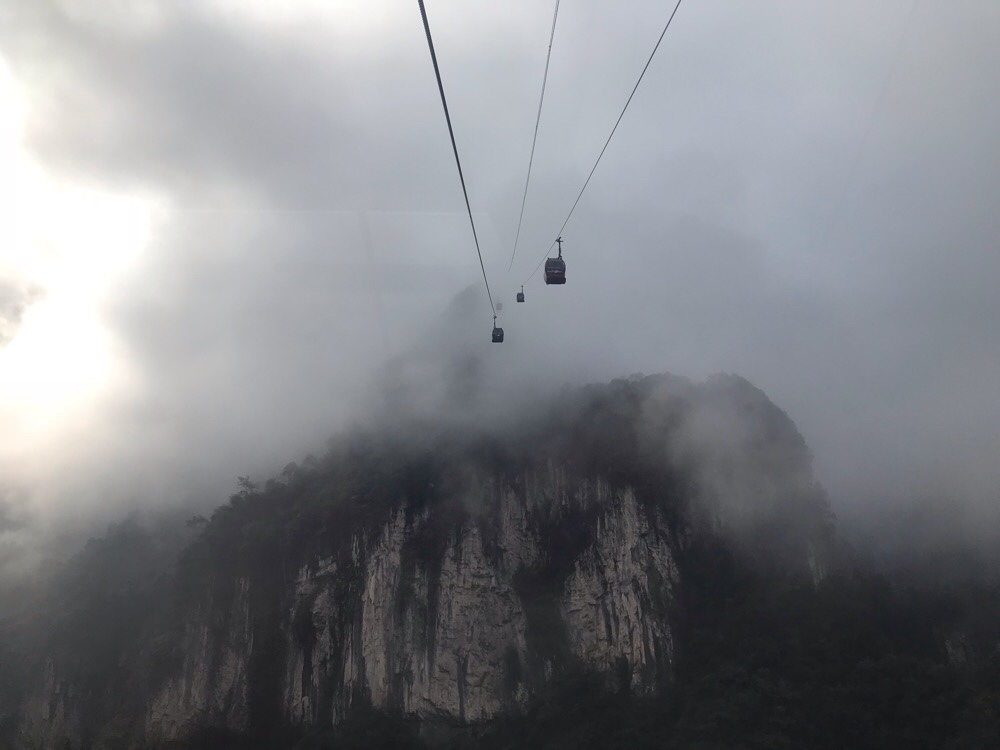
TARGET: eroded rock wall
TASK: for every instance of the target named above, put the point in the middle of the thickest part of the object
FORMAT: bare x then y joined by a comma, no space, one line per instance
212,686
434,627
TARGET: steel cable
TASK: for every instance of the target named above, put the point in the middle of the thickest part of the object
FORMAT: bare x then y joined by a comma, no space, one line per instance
594,168
454,146
534,140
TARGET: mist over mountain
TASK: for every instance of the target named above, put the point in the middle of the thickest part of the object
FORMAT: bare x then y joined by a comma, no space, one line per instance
625,564
226,216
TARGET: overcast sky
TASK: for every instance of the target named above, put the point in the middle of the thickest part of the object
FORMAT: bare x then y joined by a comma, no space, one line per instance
220,218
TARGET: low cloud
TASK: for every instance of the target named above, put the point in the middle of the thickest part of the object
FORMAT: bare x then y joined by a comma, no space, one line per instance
763,210
15,298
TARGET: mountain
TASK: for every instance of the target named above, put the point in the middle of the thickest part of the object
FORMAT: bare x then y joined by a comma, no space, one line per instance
640,563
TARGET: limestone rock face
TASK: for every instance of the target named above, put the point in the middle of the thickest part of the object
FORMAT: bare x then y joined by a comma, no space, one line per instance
455,576
435,645
460,628
211,688
617,602
51,714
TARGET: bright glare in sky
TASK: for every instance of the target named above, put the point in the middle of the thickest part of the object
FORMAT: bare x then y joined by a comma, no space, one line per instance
64,243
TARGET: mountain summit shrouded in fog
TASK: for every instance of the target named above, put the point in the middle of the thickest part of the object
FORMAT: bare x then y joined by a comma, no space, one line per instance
438,571
651,541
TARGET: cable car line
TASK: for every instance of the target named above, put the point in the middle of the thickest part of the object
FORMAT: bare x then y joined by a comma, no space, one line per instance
594,168
534,140
454,146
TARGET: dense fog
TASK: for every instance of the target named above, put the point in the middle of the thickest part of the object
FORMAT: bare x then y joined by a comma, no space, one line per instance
227,229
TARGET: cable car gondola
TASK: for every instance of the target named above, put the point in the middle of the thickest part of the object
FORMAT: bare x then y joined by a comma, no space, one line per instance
555,268
497,332
520,295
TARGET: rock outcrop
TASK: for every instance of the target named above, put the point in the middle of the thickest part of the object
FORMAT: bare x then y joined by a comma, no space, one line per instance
460,633
453,581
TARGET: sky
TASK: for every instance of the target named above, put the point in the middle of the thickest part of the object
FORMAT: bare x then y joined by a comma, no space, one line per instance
220,219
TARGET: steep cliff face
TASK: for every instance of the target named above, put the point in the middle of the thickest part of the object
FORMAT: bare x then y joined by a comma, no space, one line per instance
51,712
212,686
616,604
460,628
452,574
498,568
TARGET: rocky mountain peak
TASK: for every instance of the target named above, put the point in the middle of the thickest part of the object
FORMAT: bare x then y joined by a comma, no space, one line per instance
451,571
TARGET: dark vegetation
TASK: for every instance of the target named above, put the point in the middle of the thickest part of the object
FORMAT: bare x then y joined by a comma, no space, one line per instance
765,658
763,664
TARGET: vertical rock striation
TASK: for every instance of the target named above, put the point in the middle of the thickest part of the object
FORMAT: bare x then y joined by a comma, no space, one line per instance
617,601
212,687
444,631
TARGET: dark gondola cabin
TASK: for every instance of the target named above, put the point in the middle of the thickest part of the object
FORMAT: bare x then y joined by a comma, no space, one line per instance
555,268
555,271
520,295
497,332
